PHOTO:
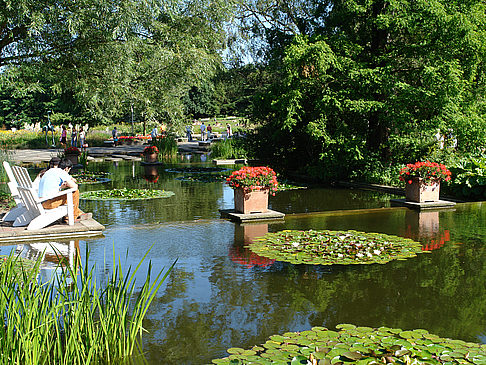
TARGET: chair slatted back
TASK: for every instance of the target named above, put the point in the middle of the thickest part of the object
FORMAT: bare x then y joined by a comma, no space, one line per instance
30,200
22,176
9,172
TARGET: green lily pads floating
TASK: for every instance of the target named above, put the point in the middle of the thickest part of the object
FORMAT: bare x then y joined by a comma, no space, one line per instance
285,185
198,170
358,345
204,178
86,177
125,194
334,247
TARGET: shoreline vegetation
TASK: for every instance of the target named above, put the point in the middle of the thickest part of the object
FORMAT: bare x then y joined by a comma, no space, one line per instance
73,318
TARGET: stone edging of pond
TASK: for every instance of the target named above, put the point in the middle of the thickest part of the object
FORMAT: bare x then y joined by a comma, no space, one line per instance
358,345
125,194
334,247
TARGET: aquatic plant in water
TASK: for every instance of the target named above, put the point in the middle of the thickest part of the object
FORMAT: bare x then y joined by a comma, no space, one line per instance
73,318
125,194
334,247
358,345
87,177
196,169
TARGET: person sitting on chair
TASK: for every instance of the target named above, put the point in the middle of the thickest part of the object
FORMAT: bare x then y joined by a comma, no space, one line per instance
54,162
54,180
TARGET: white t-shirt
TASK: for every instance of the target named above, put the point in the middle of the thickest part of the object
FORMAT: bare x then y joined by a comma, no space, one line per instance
51,182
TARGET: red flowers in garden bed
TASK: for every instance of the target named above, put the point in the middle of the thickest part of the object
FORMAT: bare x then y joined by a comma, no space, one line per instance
72,151
426,170
150,149
253,178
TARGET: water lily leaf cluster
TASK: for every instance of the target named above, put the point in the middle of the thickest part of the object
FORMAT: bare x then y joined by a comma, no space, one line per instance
358,345
334,247
204,178
195,169
282,186
125,194
87,177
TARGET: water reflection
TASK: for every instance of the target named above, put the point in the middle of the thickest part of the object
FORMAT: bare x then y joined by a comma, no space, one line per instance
53,256
244,235
424,226
151,173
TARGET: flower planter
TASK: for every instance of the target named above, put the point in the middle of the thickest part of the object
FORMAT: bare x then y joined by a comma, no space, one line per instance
151,157
420,191
73,158
253,202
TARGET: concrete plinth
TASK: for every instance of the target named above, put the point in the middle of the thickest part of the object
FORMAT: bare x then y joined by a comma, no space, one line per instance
253,217
57,230
230,162
440,204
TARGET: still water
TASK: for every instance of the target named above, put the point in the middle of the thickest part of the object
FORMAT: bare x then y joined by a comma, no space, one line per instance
220,295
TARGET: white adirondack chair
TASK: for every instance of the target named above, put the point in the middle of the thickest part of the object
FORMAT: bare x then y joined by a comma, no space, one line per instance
22,176
35,216
19,209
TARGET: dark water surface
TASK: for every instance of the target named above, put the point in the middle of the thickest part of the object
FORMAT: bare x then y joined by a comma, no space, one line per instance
220,295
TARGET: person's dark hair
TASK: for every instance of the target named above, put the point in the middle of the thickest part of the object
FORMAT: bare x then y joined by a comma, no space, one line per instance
65,163
54,162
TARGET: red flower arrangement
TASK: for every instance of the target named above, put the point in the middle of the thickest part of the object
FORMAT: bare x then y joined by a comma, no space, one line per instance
426,170
253,179
72,151
150,149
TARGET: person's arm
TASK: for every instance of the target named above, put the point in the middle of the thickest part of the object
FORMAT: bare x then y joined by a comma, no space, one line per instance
68,181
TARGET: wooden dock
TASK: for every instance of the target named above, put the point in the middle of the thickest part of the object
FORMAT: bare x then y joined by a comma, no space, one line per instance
57,230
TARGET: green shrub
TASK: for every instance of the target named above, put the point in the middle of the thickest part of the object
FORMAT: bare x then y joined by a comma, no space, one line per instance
468,178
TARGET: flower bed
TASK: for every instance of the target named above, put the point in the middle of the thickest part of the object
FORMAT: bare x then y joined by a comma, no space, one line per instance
150,149
125,194
358,345
72,151
427,170
334,247
253,179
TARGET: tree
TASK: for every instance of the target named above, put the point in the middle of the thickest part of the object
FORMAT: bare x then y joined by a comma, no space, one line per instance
377,71
114,55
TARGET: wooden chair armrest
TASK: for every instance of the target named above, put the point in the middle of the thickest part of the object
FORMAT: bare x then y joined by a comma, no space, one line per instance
61,193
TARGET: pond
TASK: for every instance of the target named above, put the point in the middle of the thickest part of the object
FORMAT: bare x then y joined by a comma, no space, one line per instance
220,295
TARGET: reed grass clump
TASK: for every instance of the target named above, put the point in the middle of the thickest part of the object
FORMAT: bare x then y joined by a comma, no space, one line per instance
167,146
229,148
73,319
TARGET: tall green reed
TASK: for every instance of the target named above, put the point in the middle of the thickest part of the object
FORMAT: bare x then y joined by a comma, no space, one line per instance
167,146
229,148
73,319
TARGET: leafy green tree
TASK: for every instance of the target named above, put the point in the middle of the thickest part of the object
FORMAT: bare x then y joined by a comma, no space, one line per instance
371,74
111,56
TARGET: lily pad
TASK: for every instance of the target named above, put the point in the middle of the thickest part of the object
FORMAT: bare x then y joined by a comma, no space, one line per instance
372,349
125,194
334,247
87,177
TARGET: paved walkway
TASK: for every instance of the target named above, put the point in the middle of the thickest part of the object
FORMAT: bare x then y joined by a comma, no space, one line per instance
122,152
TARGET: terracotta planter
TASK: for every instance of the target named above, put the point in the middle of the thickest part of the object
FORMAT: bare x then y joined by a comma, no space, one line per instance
254,202
420,192
73,158
150,157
